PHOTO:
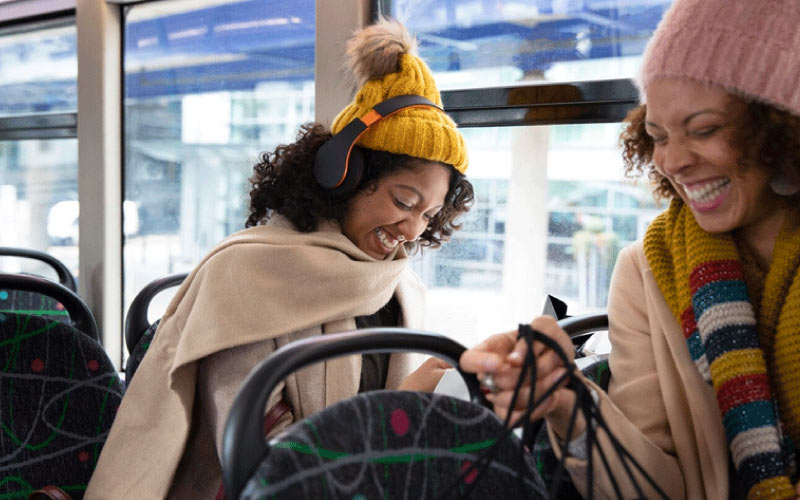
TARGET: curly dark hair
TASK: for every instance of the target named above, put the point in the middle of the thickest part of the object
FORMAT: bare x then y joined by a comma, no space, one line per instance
765,136
283,182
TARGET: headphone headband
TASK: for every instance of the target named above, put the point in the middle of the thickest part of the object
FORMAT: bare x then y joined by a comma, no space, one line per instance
332,161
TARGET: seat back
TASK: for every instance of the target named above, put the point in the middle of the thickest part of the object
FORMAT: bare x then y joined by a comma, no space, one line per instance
70,309
139,332
396,444
32,301
244,448
59,393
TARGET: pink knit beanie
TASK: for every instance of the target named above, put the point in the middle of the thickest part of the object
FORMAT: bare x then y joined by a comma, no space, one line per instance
750,48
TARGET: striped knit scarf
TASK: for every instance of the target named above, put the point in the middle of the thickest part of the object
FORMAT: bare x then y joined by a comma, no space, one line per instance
701,278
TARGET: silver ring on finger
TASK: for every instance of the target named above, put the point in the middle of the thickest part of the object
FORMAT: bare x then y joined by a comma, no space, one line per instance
489,384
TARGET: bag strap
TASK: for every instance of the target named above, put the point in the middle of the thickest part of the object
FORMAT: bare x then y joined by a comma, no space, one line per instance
49,493
272,417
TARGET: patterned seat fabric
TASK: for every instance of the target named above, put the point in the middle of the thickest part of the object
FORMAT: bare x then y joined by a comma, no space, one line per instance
59,393
23,302
392,444
139,350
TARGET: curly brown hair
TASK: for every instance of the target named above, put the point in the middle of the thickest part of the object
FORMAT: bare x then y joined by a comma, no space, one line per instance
283,182
766,136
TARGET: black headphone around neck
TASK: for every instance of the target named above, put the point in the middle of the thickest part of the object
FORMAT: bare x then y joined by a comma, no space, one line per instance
339,163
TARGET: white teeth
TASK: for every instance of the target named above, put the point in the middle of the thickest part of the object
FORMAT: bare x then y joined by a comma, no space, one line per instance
385,239
707,192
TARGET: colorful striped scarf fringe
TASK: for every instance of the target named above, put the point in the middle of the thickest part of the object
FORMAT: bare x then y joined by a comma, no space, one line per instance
719,324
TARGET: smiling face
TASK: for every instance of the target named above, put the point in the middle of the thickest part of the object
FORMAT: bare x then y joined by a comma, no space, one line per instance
693,127
399,208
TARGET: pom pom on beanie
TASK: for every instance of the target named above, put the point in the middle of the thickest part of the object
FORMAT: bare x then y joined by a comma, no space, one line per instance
383,61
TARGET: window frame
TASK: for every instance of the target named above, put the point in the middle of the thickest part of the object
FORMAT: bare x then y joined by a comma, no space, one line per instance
598,101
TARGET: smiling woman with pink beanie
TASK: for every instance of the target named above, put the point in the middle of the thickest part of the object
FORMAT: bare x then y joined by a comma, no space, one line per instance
704,313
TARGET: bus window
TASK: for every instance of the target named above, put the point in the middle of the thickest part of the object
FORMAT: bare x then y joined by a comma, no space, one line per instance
207,88
547,219
38,160
552,206
480,43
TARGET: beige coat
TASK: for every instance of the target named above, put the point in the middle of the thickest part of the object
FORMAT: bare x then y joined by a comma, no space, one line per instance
657,405
258,290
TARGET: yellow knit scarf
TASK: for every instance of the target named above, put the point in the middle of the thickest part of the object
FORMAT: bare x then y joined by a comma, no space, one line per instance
686,261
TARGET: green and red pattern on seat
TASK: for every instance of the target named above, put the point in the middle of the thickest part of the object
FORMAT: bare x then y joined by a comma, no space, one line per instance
395,444
59,393
23,302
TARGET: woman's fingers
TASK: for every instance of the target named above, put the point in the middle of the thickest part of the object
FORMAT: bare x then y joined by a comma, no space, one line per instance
504,397
489,355
546,363
434,363
506,377
548,326
539,412
503,356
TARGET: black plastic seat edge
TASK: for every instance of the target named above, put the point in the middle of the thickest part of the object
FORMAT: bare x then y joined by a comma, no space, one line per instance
65,277
136,319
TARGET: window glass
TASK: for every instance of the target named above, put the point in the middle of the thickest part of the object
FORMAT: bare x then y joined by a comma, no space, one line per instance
39,71
208,86
480,43
39,202
550,217
39,178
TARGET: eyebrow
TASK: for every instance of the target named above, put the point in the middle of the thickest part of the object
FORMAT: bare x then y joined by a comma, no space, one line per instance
691,116
413,189
417,192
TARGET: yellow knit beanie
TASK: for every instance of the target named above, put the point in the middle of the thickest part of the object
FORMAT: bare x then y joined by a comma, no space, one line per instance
383,61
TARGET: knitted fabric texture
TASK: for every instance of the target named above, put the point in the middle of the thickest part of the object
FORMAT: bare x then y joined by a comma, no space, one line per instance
421,132
701,278
751,49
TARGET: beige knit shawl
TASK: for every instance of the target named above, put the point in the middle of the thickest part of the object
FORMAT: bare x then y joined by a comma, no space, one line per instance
257,284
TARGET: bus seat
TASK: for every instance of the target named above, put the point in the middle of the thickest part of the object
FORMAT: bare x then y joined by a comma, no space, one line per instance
377,444
75,311
59,393
139,331
32,302
387,444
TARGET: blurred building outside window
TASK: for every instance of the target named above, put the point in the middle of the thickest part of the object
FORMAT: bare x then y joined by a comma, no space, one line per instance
38,177
209,85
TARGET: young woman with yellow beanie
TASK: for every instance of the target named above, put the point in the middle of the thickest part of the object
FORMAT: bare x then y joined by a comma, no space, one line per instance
705,312
313,260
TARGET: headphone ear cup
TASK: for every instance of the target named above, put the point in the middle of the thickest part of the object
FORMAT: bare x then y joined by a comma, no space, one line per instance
355,171
328,166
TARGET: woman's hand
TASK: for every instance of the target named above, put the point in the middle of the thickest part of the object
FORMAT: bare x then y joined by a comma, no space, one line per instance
426,377
502,355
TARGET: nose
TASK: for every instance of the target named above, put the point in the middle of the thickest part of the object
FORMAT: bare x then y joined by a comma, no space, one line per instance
412,226
674,156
